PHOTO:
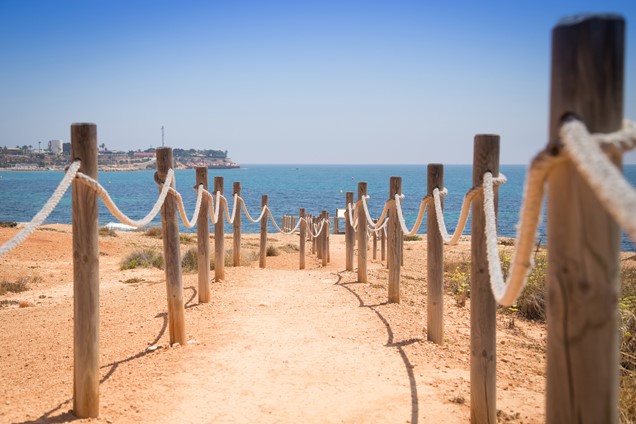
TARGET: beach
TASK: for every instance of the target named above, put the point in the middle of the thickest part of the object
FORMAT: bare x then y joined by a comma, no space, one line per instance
274,345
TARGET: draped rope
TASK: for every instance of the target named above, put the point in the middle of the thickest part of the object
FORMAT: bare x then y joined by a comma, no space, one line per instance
46,210
420,215
368,215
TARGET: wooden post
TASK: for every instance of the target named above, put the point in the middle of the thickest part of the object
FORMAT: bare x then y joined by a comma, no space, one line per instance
349,235
435,261
311,236
85,276
219,235
395,236
303,236
583,258
262,260
383,245
203,239
362,235
328,237
483,359
375,242
323,239
320,239
172,255
236,239
336,226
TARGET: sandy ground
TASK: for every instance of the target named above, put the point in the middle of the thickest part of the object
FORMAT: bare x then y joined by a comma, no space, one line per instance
274,345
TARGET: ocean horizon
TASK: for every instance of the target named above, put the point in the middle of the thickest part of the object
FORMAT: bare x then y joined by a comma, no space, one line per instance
289,187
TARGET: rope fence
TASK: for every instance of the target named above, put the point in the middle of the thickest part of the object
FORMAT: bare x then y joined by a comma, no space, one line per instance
576,161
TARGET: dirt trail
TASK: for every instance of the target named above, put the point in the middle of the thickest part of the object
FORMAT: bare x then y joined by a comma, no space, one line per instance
274,345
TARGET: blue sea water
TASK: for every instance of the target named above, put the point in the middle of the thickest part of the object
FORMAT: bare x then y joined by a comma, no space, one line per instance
289,187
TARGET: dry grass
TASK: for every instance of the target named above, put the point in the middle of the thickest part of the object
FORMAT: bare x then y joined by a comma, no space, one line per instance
145,258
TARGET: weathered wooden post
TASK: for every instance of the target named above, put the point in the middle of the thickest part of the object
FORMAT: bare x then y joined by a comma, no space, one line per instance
349,234
85,275
312,220
219,235
236,239
172,255
324,244
483,358
583,258
328,237
363,241
303,236
262,259
435,261
203,239
383,245
320,239
375,242
395,236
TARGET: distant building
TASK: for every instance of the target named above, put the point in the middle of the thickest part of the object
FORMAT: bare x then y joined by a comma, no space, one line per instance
55,147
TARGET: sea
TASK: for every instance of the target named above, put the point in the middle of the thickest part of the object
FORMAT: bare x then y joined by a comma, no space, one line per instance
288,187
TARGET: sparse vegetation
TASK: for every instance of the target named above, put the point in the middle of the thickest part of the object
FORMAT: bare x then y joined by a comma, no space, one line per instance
18,286
145,258
627,309
290,248
414,237
190,261
458,279
7,303
185,239
107,232
133,280
7,224
272,251
154,232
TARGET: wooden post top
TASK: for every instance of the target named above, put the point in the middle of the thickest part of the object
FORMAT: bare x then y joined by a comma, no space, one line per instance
264,200
435,177
164,160
202,176
485,156
218,184
362,190
349,197
395,187
237,187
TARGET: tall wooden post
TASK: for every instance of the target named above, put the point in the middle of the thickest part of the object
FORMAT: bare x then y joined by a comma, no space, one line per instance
383,245
312,219
262,258
203,239
395,236
219,235
375,242
320,239
435,261
483,358
363,241
85,276
328,237
583,261
172,255
236,239
349,234
303,236
323,239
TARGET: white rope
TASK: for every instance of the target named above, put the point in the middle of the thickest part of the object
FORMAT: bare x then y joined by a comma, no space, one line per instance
620,141
184,217
214,208
271,218
230,218
354,222
420,214
320,226
615,193
506,293
463,216
116,212
247,214
368,215
46,210
379,228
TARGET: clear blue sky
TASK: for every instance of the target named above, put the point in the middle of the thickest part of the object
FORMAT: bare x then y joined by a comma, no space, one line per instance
289,82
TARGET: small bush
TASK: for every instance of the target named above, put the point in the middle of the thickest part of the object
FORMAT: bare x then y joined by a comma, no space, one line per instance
154,232
142,259
7,303
290,248
272,251
185,238
18,286
190,261
627,309
458,278
414,237
107,232
133,280
5,224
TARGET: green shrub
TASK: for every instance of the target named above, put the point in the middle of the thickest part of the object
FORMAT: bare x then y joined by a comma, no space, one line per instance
145,258
414,237
185,238
290,248
458,280
190,261
272,251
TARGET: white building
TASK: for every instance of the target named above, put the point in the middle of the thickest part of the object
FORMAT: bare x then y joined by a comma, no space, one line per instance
55,147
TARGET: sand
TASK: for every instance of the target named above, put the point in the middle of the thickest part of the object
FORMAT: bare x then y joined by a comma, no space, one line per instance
274,345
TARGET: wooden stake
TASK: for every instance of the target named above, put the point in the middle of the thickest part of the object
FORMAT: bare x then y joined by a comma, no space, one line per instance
483,359
324,244
349,235
435,261
236,240
303,237
362,235
262,260
375,243
584,241
395,236
382,245
328,237
85,276
172,254
219,235
203,239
